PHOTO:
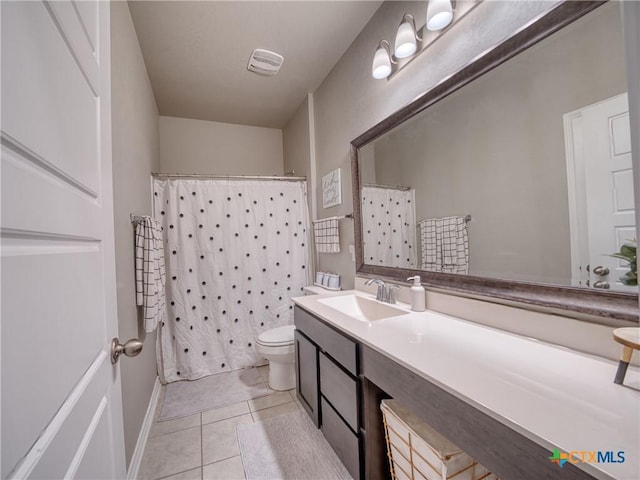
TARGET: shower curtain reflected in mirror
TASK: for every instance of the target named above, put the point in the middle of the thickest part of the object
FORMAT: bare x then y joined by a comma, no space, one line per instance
389,226
236,253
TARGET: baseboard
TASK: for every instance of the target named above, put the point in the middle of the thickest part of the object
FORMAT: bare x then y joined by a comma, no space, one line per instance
136,458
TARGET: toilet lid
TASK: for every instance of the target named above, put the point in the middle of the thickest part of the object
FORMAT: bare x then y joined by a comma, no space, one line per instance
277,336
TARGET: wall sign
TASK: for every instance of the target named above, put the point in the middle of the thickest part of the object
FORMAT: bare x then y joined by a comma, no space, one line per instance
331,189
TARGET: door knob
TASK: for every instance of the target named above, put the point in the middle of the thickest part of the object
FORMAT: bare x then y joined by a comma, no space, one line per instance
600,270
601,284
131,348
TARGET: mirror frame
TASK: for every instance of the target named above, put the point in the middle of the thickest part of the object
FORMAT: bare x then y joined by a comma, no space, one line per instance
606,307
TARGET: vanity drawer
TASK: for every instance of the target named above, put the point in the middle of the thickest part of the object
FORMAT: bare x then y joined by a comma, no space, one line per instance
343,441
340,389
337,346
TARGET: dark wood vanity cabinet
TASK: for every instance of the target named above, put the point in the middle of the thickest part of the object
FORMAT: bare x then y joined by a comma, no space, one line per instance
341,383
327,385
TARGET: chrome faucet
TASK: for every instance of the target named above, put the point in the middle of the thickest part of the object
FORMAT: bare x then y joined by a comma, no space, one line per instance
385,292
381,288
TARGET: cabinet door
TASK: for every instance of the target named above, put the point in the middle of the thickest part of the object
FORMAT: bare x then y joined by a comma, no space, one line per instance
307,376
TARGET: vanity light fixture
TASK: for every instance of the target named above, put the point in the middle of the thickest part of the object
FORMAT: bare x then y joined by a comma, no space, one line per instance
410,42
406,37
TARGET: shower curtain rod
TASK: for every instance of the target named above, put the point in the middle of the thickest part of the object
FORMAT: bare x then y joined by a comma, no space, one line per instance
230,177
390,187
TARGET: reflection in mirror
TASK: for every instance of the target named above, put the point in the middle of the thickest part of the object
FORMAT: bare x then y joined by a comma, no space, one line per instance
523,174
389,233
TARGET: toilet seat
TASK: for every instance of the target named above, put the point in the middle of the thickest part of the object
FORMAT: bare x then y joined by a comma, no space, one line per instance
277,337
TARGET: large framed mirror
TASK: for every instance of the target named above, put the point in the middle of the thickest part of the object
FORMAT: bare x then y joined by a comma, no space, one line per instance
511,180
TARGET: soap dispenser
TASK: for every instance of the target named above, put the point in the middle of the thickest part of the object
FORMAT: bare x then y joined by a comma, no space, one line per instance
417,295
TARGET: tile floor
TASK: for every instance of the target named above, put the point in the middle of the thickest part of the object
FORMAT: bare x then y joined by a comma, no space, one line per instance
204,446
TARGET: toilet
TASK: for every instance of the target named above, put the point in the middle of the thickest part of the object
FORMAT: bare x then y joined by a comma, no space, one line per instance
277,346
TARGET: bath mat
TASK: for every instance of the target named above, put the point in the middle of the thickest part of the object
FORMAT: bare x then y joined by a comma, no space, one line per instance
215,391
288,447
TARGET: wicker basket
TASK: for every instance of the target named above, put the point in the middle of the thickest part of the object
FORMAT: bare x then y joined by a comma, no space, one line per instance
417,452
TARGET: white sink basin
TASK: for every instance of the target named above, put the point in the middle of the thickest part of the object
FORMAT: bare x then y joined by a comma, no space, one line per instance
362,308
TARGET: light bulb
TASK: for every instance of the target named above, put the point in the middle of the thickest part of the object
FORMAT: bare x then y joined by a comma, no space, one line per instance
405,40
381,67
439,14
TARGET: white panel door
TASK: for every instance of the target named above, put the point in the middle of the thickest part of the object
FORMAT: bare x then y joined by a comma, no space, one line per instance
609,189
61,414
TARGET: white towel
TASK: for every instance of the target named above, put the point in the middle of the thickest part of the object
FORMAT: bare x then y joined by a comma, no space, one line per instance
445,245
150,272
327,235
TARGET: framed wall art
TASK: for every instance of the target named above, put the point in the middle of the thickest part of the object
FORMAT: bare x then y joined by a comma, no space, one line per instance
332,189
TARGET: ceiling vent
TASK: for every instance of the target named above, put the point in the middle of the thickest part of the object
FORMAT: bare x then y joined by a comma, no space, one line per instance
265,62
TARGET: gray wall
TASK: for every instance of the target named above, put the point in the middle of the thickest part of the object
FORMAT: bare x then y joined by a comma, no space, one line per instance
295,139
496,150
350,101
199,146
135,155
296,145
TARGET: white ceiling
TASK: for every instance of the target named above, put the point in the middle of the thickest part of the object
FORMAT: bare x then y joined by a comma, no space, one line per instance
196,53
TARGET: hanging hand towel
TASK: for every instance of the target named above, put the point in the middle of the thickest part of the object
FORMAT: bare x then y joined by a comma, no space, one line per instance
327,235
150,272
431,245
445,245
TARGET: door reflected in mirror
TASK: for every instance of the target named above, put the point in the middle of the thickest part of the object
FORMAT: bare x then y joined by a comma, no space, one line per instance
523,174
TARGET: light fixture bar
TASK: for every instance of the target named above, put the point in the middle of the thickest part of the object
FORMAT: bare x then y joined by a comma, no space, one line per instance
460,10
426,37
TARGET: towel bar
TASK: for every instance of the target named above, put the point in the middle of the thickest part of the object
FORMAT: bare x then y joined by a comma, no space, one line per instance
136,218
348,215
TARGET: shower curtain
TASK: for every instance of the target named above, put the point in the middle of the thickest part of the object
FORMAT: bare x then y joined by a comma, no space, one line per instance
236,253
389,226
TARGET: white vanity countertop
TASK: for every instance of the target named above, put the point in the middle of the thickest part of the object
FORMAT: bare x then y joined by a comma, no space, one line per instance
557,397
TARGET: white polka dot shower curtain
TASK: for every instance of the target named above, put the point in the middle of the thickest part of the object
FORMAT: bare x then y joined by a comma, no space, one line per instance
236,253
389,226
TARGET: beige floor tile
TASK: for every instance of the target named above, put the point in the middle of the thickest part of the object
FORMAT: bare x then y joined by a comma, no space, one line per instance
195,474
295,399
264,372
172,453
274,411
170,426
223,413
229,469
219,439
292,392
276,398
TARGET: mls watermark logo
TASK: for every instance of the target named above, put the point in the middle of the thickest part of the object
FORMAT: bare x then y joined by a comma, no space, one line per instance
596,456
